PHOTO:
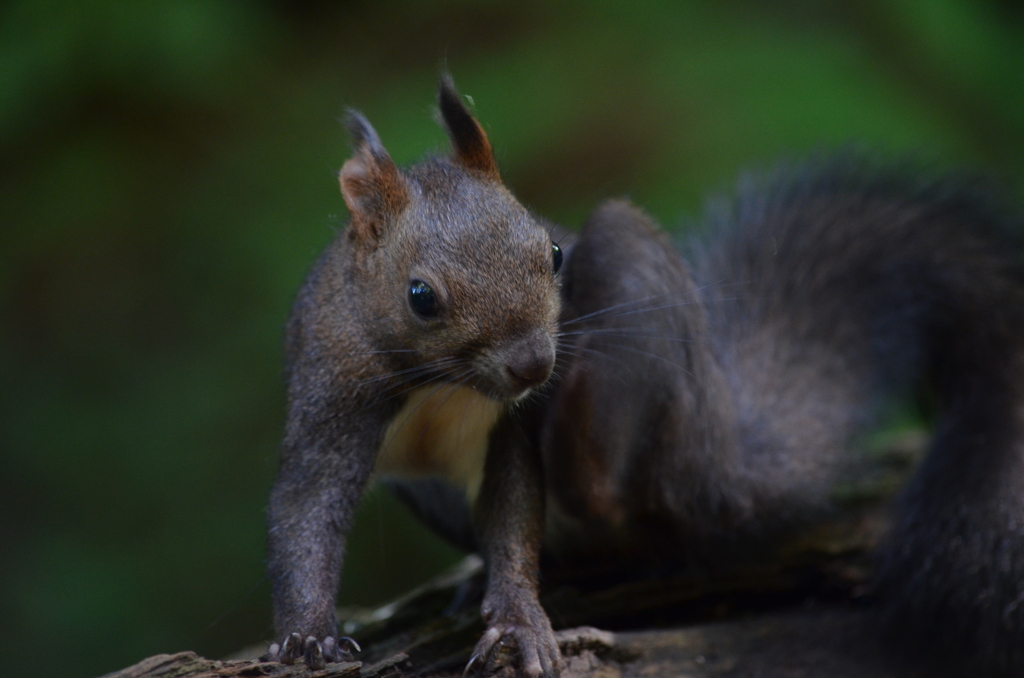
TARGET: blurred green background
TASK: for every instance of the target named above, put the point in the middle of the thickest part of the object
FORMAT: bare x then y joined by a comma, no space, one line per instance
168,175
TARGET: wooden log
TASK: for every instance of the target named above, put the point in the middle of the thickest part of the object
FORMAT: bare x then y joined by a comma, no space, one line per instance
746,620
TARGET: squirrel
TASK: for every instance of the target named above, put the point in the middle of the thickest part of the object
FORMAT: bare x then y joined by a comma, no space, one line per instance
704,407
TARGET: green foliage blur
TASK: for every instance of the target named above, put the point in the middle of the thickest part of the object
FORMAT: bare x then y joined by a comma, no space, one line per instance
168,173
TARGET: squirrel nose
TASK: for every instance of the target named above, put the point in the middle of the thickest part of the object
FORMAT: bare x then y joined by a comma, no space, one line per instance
529,363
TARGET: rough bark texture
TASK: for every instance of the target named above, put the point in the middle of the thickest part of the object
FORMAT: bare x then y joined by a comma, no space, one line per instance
795,616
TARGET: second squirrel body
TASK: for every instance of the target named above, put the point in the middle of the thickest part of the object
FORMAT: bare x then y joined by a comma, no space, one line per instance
701,411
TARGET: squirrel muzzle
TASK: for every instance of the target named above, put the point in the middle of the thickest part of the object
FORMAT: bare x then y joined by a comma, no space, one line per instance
528,362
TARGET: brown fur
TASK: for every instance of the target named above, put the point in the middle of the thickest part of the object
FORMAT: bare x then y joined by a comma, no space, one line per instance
374,381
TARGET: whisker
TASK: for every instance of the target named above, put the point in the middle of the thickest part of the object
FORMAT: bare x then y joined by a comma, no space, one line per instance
409,370
653,355
595,351
611,308
425,367
627,333
643,299
648,309
391,350
653,297
415,379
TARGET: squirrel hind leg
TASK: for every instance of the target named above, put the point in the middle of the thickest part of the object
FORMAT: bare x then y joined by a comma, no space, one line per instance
637,430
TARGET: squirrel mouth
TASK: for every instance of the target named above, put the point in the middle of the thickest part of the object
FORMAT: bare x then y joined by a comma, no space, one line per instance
508,392
509,371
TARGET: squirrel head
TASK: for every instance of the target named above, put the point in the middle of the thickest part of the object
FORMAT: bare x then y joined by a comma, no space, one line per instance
454,272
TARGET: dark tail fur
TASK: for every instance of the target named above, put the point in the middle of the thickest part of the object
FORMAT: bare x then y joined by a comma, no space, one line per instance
852,284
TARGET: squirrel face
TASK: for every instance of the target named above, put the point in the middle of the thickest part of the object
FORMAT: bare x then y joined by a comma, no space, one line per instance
456,273
480,281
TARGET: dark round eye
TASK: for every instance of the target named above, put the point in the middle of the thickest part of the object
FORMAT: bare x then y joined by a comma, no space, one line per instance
556,256
423,300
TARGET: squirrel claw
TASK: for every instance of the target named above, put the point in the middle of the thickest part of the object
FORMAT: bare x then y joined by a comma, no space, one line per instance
506,646
291,649
340,650
349,645
272,654
472,665
315,653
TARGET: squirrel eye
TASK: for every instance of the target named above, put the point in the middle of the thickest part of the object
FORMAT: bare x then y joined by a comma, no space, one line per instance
556,256
423,300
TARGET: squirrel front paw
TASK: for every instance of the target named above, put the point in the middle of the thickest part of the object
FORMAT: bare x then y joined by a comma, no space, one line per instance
314,652
523,641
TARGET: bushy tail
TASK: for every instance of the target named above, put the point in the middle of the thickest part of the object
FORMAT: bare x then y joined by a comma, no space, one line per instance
951,577
915,283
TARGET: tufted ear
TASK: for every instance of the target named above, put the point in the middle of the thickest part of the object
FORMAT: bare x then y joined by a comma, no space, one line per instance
371,184
472,149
